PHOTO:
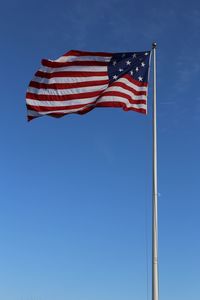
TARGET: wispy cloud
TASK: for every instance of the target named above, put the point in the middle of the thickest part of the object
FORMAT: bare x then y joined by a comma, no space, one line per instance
104,149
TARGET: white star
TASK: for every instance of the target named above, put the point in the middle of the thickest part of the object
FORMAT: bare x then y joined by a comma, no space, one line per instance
120,70
146,53
140,78
128,62
131,72
114,63
137,69
115,77
134,55
142,64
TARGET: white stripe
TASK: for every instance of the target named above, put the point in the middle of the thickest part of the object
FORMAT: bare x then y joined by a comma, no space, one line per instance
74,68
60,103
120,99
61,92
68,79
83,58
132,85
125,91
33,113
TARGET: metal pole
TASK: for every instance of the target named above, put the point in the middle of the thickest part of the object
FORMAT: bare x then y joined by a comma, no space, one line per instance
155,191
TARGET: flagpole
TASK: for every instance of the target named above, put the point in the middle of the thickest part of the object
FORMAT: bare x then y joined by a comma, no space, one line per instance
155,191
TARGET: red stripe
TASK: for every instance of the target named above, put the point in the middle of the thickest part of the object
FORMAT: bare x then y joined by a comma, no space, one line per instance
63,97
52,108
138,83
55,115
85,110
127,87
75,106
69,74
86,53
122,105
54,64
60,86
30,118
123,95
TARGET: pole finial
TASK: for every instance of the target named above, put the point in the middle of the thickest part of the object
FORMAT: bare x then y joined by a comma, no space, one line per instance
154,45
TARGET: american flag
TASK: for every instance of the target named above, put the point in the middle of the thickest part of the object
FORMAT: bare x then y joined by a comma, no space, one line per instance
79,81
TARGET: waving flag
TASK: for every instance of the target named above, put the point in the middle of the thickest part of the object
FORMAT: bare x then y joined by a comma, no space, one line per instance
79,81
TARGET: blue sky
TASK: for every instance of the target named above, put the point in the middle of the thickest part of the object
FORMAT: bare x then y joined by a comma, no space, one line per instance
75,208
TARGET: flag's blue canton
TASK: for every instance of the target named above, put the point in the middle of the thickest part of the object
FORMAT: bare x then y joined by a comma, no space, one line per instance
135,64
